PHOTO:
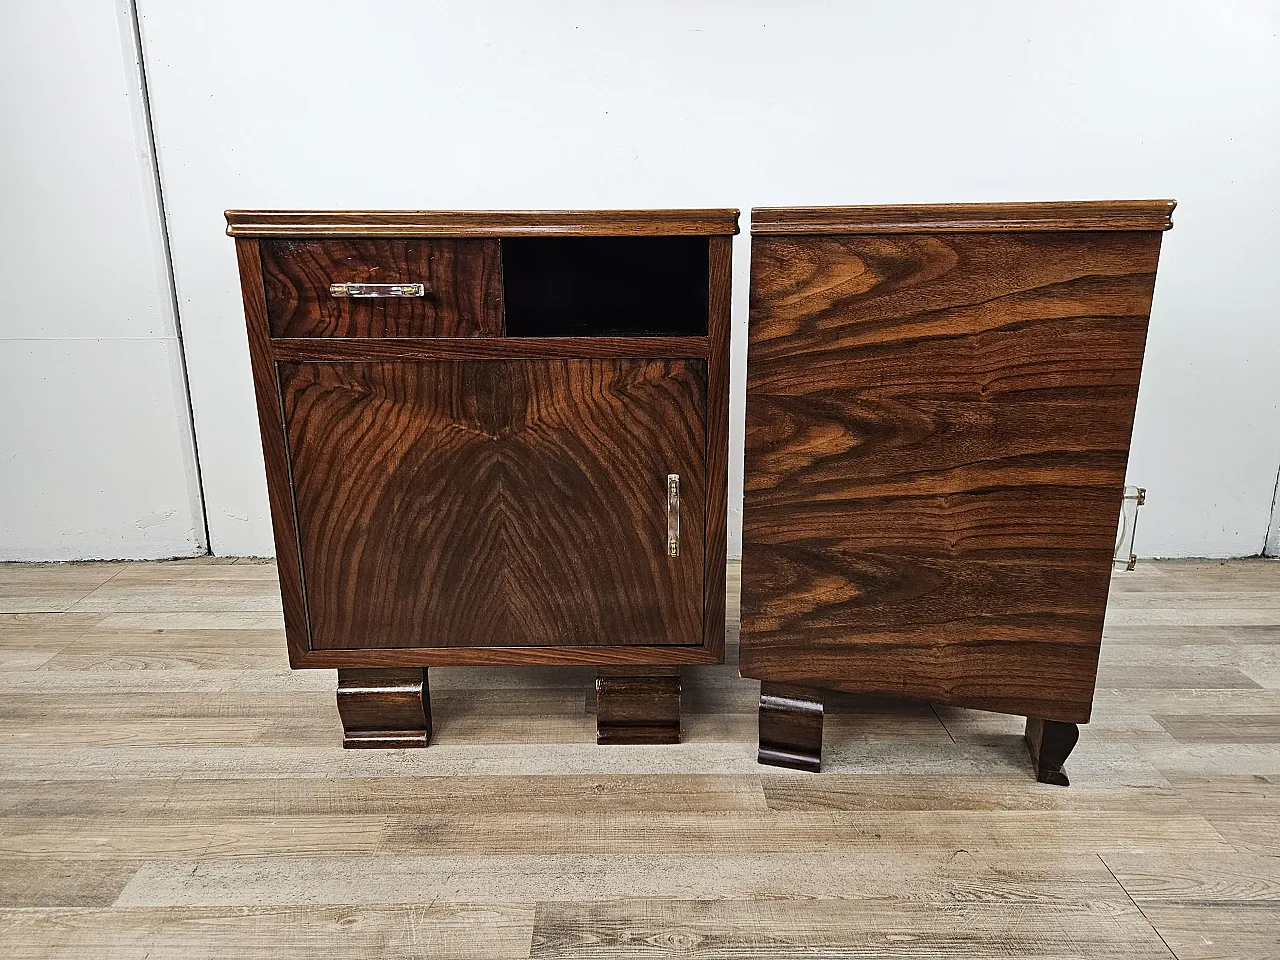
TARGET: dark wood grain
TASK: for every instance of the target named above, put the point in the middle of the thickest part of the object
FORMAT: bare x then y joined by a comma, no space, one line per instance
790,727
318,348
498,654
1050,743
384,708
937,434
463,280
964,218
271,426
717,457
465,497
638,705
511,503
480,223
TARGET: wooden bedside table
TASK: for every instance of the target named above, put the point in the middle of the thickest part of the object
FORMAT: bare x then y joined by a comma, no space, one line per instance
494,438
939,404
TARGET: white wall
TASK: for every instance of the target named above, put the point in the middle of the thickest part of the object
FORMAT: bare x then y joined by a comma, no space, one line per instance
1273,538
96,456
398,103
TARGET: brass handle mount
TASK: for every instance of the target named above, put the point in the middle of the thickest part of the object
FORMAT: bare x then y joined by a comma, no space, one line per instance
673,514
377,289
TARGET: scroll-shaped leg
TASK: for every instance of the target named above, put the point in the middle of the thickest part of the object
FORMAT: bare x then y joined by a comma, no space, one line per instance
1050,743
385,708
790,727
638,705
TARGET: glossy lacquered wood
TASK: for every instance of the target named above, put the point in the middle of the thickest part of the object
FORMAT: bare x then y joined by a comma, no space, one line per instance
1124,215
937,432
443,493
271,429
481,223
497,502
638,705
496,348
717,462
790,727
384,708
462,281
1050,742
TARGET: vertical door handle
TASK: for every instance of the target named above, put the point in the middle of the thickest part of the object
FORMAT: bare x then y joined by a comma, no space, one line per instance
673,514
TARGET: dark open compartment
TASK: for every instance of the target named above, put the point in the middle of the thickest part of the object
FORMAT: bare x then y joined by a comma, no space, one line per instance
605,286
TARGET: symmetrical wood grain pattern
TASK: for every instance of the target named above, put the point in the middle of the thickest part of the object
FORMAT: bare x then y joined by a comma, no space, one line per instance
384,708
169,789
481,223
446,494
497,503
637,705
463,280
937,431
1050,743
790,727
1129,215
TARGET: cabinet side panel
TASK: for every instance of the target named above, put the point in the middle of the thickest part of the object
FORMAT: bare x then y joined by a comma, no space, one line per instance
718,324
487,503
271,424
937,434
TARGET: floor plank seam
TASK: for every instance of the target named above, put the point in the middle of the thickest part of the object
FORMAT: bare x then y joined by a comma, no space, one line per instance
1138,907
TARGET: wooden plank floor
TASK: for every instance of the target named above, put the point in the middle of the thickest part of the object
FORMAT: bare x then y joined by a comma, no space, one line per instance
169,789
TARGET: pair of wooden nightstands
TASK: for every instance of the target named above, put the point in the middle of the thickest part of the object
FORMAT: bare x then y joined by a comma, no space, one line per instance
502,438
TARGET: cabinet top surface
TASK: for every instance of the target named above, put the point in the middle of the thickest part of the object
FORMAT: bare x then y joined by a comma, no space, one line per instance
966,217
480,223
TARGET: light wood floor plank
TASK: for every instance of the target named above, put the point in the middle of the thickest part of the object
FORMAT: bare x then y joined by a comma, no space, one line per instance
50,587
722,929
1218,931
449,932
1044,832
938,878
132,838
1203,878
387,796
889,792
62,881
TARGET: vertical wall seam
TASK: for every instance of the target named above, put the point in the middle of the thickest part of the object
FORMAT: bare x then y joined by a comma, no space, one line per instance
158,183
1271,520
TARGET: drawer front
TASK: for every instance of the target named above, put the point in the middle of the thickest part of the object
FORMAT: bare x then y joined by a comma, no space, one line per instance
509,503
461,287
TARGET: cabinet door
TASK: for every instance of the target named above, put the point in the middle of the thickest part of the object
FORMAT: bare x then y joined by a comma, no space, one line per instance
497,502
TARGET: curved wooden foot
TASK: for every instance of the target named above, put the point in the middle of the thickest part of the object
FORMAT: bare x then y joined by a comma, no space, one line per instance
638,705
384,708
790,727
1050,743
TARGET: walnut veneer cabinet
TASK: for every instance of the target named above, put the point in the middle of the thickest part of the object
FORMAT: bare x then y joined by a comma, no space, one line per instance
494,438
939,405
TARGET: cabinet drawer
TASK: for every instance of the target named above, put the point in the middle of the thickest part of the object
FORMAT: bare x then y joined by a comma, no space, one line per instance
461,297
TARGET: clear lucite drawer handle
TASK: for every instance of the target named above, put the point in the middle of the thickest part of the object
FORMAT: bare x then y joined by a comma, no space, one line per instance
673,514
378,289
